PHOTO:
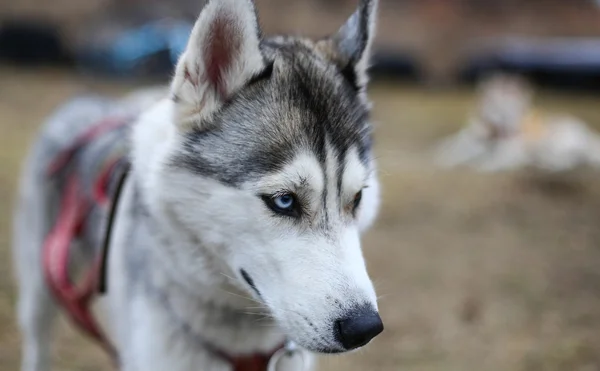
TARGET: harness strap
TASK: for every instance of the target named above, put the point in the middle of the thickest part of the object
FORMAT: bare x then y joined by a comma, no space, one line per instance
65,157
76,300
69,222
123,168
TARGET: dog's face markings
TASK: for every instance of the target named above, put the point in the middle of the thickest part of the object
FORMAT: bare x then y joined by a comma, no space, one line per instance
273,168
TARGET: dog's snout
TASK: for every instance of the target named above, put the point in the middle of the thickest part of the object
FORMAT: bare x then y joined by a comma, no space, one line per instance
358,327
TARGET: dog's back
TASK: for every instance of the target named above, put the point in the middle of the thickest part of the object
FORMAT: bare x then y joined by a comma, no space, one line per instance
57,154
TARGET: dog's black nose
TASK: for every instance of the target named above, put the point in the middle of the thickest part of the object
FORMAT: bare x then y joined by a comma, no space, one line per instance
358,327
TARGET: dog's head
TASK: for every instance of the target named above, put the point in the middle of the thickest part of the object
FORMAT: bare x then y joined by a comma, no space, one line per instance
266,162
504,101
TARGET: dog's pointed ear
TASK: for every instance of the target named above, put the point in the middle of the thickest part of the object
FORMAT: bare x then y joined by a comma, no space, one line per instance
222,55
350,47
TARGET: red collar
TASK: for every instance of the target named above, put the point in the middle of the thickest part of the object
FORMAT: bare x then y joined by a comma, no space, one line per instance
253,362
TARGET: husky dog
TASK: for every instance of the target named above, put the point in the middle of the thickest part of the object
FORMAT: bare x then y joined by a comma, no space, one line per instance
505,132
238,226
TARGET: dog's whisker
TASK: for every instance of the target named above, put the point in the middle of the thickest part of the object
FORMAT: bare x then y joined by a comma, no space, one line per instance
265,321
257,314
228,276
241,296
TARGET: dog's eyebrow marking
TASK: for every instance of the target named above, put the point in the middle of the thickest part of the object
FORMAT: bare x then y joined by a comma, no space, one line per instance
353,172
302,181
303,174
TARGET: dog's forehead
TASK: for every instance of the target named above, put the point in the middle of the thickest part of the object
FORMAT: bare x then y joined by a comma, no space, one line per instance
306,173
305,106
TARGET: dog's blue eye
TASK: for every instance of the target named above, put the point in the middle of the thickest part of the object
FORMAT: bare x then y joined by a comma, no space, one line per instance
284,204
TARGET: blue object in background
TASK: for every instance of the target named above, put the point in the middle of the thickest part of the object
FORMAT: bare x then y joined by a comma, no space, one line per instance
152,49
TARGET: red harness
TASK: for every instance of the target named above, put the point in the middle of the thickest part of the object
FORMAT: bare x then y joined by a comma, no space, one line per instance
74,208
71,218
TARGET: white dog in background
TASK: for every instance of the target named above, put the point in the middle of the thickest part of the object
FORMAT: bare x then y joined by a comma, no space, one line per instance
505,132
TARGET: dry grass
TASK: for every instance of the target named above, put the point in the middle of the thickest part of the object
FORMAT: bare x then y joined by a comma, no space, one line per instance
475,272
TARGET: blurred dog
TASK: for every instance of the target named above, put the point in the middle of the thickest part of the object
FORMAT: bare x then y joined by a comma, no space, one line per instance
249,186
505,132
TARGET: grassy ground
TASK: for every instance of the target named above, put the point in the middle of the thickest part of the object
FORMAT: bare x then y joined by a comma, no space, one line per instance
475,272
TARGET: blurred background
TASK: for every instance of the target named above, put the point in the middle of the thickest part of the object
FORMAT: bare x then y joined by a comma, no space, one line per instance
487,272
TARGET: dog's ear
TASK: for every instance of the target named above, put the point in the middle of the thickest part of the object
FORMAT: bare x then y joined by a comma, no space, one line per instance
350,47
222,55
